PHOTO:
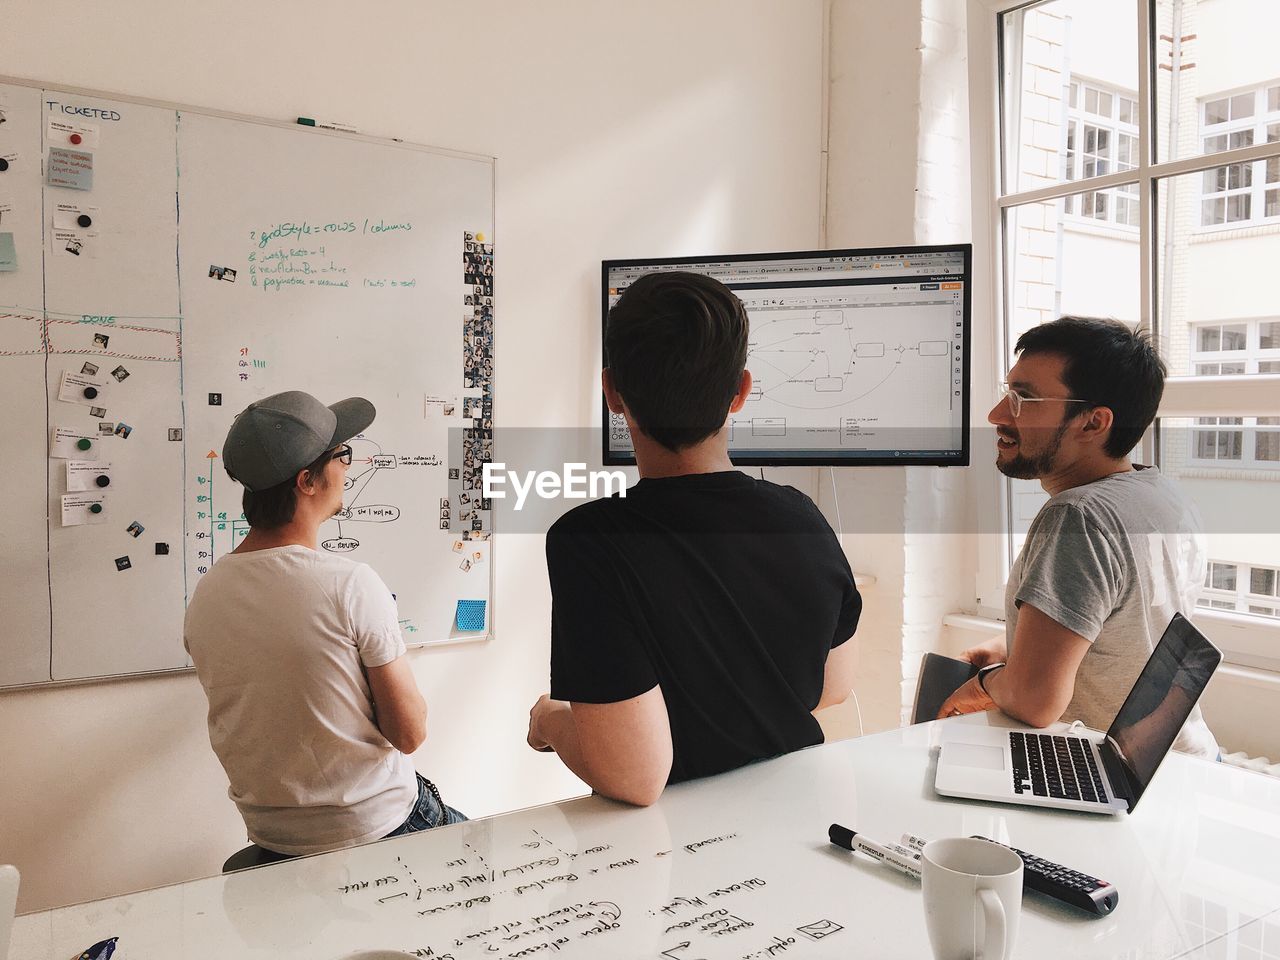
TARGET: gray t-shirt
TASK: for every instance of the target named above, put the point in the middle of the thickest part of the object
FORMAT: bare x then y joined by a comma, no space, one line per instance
1113,560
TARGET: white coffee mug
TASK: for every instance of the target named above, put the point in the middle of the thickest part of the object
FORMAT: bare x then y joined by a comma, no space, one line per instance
972,898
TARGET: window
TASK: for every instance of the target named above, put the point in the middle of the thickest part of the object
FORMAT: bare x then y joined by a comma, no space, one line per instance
1173,147
1219,444
1241,588
1248,191
1192,445
1101,138
1238,347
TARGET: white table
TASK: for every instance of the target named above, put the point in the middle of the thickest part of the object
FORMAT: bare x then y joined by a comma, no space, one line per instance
736,866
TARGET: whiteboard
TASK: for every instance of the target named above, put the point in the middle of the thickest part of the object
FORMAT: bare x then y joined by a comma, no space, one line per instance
185,263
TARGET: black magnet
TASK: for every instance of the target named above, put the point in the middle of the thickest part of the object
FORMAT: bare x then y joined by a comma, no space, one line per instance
90,393
84,220
103,480
4,164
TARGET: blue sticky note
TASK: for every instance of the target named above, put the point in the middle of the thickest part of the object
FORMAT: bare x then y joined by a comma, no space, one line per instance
72,169
470,615
8,254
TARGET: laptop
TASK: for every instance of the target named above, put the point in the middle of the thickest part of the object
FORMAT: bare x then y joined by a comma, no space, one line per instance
1106,774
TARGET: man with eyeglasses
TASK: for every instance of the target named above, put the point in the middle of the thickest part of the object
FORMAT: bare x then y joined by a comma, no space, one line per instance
313,707
1112,555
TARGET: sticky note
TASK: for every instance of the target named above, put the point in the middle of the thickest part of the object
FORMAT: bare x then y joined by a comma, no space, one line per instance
82,388
72,216
72,169
70,242
68,444
78,508
470,615
82,135
88,475
8,254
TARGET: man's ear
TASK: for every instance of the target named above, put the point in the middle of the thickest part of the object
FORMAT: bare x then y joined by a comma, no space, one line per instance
744,391
611,395
1097,425
304,483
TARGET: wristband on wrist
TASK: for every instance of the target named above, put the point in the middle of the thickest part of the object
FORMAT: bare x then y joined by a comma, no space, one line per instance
984,672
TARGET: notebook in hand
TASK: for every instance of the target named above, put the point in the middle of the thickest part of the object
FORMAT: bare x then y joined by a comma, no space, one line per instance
940,677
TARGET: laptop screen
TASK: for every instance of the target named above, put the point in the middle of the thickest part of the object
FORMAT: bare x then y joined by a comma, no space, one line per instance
1161,700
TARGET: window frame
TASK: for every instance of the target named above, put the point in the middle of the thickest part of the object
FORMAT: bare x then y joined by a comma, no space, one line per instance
1259,124
1247,640
1073,156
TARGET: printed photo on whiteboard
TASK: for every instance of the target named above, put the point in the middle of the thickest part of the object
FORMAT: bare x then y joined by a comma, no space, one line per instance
90,369
120,373
122,563
74,245
106,429
134,529
444,524
123,430
222,273
98,412
175,433
162,549
100,340
465,565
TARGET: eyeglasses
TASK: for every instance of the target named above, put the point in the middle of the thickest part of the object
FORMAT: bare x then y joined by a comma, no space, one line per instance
343,453
1016,400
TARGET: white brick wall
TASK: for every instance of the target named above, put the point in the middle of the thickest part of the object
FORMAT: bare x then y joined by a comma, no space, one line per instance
911,55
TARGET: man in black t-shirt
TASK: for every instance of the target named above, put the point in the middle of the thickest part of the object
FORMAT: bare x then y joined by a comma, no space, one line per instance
698,622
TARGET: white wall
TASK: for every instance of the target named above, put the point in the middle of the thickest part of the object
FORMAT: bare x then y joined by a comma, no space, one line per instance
660,128
899,173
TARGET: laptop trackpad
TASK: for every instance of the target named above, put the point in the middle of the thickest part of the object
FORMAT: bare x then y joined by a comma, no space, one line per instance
974,755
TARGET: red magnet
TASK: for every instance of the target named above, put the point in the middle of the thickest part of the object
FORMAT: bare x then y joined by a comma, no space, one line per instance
75,138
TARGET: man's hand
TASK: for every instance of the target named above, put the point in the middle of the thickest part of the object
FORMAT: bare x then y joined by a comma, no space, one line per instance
995,650
970,698
538,714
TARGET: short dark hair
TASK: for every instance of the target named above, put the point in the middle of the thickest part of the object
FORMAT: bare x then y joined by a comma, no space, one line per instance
676,345
1109,364
273,507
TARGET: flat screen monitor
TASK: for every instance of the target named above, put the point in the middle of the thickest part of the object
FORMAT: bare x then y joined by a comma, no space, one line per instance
858,357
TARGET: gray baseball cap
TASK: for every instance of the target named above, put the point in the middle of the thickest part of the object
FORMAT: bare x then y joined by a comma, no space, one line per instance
273,438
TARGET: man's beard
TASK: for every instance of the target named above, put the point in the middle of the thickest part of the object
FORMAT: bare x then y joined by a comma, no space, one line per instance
1031,468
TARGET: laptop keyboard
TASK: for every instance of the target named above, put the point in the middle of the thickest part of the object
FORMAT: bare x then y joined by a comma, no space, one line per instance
1053,766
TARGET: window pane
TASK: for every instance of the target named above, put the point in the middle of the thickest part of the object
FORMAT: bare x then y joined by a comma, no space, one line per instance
1262,582
1235,500
1058,264
1045,44
1266,447
1222,576
1269,366
1215,292
1216,69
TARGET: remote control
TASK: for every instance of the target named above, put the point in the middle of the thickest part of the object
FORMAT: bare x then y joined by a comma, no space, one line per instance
1062,883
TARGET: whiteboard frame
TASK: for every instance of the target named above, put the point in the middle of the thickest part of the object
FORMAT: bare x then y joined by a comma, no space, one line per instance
490,632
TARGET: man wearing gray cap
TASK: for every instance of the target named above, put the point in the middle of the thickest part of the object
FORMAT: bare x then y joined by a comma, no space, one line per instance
312,704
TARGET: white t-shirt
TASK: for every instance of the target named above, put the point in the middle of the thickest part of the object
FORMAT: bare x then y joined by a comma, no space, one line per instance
280,640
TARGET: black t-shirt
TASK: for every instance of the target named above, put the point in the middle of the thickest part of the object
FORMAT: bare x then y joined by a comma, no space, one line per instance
726,591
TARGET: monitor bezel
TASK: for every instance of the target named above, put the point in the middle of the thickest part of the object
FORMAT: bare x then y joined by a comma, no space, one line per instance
822,458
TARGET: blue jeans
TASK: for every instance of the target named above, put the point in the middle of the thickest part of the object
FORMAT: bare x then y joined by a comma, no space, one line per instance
430,811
